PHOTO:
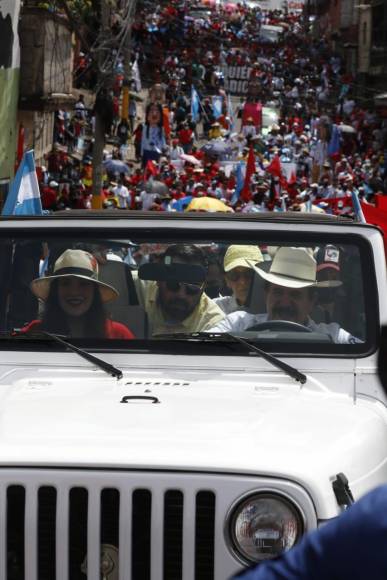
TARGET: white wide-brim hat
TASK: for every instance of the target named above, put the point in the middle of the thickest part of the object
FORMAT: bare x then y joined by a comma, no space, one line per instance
293,268
76,263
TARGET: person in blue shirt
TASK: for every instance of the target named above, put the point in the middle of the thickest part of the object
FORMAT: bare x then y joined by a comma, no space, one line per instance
153,140
350,547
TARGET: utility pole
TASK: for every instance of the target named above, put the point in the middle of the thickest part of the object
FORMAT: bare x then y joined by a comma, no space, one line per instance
127,63
100,125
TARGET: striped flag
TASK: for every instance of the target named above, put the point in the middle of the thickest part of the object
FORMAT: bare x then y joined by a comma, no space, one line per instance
24,195
230,113
357,207
194,104
217,106
240,179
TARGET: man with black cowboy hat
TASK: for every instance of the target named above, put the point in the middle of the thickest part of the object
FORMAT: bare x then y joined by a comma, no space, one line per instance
350,547
289,295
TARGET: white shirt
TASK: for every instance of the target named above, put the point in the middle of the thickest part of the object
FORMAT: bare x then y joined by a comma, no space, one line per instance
239,321
228,304
148,199
122,194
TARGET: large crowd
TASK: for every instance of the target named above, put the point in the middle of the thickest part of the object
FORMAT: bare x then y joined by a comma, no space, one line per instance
245,111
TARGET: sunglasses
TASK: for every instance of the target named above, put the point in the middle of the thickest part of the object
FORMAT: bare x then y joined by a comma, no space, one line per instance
190,289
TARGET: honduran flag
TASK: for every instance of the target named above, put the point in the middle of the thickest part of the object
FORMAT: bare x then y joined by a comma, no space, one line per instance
334,143
240,179
358,210
195,105
24,196
217,106
230,113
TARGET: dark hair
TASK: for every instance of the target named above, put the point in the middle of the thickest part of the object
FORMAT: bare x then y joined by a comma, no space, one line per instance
188,253
55,320
161,122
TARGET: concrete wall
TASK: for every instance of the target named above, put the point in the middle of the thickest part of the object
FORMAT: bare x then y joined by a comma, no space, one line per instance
38,132
46,55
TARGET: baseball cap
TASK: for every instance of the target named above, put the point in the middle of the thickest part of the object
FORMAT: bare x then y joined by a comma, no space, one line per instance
328,257
237,256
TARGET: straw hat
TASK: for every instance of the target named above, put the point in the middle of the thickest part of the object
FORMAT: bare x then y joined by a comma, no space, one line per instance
76,263
236,256
291,267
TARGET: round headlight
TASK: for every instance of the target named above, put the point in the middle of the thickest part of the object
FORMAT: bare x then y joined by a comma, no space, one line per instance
264,525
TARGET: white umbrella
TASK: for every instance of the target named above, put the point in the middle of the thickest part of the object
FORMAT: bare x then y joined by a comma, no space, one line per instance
190,159
347,129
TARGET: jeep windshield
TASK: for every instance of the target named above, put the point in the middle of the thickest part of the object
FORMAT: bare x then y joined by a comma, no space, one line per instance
298,294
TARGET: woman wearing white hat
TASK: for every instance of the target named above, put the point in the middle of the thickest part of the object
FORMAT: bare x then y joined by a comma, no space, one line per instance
74,300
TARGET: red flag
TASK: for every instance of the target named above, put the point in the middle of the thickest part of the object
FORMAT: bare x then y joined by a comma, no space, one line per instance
150,170
275,167
253,110
381,202
376,217
292,179
250,170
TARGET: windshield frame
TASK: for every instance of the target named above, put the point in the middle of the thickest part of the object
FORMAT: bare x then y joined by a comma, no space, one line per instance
212,232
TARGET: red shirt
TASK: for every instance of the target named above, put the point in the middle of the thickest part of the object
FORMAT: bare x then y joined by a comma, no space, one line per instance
112,329
185,136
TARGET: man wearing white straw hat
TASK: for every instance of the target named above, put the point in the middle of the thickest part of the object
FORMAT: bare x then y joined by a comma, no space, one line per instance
290,297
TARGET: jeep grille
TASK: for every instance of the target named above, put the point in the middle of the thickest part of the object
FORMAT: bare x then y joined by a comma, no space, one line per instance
162,525
50,529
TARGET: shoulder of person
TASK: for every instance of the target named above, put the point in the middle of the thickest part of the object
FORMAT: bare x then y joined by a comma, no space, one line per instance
118,330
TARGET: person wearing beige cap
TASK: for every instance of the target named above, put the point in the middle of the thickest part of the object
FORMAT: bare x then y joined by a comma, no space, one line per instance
74,300
239,271
289,296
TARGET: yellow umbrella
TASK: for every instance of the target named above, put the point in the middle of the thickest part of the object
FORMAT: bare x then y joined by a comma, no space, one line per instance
207,204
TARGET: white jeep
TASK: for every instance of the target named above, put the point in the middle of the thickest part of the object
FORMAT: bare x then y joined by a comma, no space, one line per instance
186,452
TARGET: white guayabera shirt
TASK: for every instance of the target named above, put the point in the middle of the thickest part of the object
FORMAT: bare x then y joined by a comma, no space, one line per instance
240,321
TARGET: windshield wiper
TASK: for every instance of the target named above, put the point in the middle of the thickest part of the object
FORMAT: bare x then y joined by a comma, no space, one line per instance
220,336
105,366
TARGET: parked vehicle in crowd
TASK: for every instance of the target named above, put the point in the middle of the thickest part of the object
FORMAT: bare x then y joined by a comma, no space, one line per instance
184,394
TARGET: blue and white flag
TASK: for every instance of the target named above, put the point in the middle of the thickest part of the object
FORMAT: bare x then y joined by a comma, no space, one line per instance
357,207
308,206
334,143
217,106
230,113
240,180
24,196
194,105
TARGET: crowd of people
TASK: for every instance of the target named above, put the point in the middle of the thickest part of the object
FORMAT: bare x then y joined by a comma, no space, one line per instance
214,74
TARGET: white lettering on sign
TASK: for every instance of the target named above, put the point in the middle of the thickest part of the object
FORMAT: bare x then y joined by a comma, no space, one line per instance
236,79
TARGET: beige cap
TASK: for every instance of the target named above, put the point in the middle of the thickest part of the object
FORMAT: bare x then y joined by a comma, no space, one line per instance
237,256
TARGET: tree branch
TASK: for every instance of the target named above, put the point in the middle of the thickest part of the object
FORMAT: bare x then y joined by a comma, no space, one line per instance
75,25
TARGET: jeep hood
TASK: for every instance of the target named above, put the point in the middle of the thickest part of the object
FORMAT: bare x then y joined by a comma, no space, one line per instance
266,424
